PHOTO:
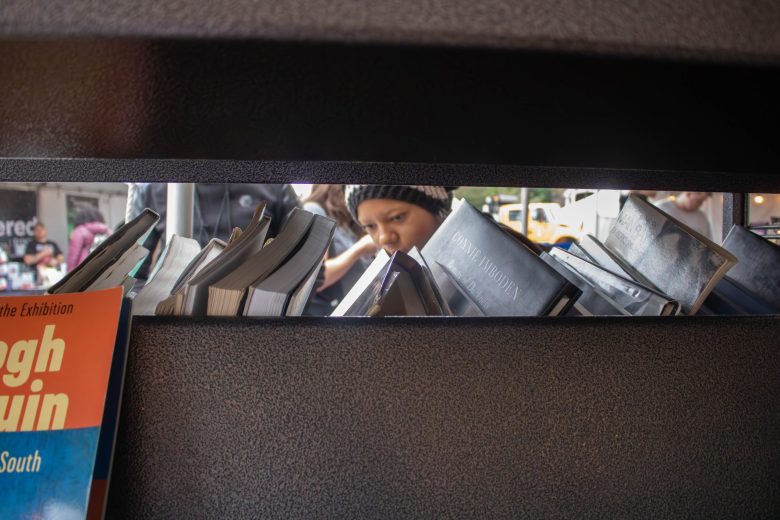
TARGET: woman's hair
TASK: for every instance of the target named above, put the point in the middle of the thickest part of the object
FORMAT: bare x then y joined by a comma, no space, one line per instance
88,214
331,198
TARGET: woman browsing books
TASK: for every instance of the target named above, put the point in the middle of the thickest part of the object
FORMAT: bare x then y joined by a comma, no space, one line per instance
398,218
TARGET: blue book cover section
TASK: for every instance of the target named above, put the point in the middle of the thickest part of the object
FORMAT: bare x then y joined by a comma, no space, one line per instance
45,473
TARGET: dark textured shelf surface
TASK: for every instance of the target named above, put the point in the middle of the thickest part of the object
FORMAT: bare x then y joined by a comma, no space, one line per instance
204,170
440,418
238,100
741,30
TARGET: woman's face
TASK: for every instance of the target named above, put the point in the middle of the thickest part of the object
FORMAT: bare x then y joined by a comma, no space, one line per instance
395,225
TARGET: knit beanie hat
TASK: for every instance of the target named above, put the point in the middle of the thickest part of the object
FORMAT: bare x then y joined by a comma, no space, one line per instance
436,199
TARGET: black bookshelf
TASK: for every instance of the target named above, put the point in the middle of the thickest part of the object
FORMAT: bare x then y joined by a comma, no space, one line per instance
420,417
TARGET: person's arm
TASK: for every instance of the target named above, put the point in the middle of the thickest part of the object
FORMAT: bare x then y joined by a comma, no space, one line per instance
337,267
31,257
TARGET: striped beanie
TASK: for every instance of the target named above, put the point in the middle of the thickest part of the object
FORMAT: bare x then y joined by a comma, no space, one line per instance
436,199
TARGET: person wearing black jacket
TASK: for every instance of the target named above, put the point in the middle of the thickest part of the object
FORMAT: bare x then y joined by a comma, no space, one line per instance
217,209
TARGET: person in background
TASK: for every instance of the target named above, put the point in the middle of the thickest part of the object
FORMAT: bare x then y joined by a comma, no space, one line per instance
42,252
89,229
218,208
348,254
398,218
686,207
3,270
645,195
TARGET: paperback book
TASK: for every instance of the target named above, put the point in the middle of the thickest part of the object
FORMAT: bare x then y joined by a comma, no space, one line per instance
56,355
677,260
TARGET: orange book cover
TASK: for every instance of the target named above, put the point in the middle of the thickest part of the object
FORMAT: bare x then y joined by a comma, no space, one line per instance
55,360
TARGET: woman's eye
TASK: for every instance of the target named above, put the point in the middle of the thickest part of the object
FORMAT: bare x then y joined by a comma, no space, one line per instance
368,227
398,218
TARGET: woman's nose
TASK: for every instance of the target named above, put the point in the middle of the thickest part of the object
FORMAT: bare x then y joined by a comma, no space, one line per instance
387,236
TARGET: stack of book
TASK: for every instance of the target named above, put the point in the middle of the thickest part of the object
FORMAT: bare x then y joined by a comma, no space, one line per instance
247,276
650,264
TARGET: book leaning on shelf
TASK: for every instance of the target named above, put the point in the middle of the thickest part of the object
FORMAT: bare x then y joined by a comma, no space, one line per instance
112,261
677,260
173,303
175,258
592,301
58,356
496,272
285,291
227,293
195,292
753,285
634,298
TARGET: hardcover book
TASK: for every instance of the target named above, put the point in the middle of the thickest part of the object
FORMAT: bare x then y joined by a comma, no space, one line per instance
499,273
758,270
56,356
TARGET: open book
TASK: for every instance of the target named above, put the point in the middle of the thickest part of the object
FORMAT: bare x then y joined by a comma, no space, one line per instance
679,261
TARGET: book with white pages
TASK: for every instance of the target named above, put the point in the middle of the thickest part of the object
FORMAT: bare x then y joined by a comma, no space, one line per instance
226,296
213,249
272,295
196,290
178,253
372,271
677,260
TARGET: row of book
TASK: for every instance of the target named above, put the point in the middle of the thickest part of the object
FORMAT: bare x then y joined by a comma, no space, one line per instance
650,264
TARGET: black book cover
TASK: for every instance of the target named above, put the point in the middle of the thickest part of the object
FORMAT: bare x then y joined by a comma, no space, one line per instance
758,270
270,295
592,302
500,274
